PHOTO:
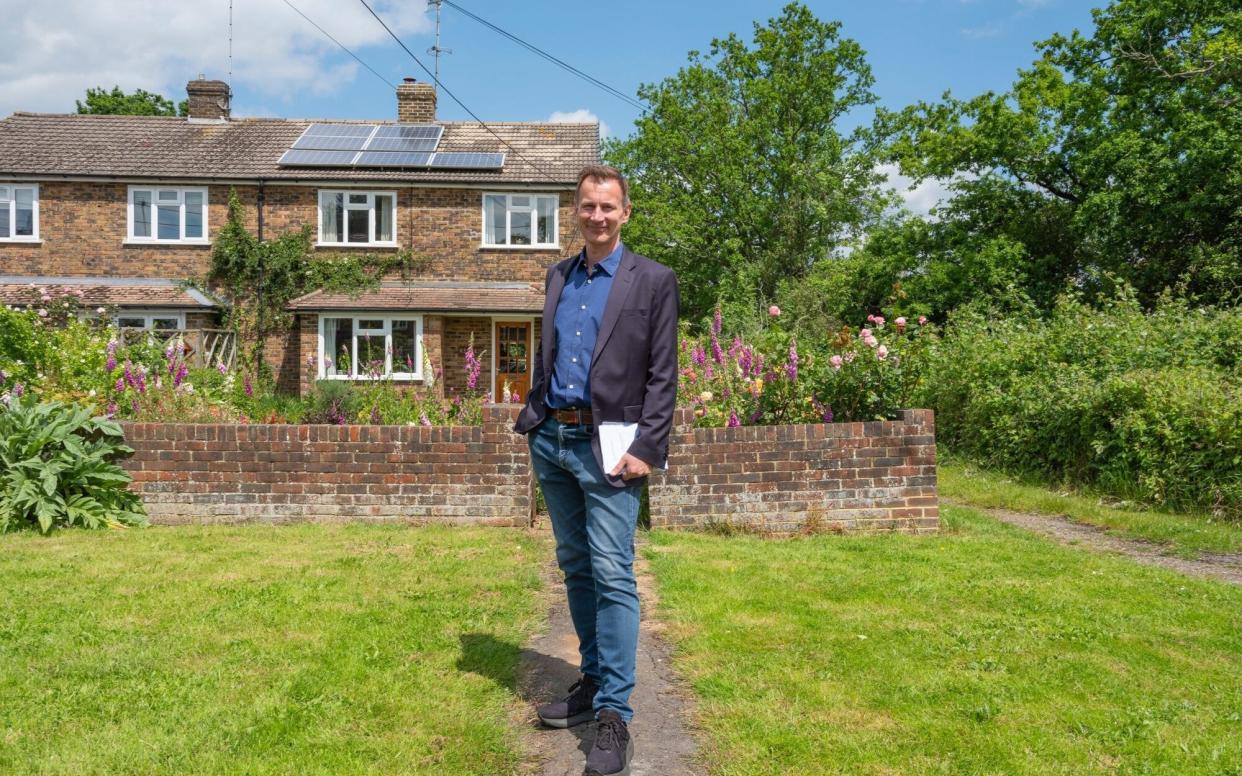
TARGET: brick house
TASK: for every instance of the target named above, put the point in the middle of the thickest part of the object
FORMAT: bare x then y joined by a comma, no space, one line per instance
124,208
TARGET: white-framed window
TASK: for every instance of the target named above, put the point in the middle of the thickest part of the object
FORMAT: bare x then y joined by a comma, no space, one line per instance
357,217
522,220
19,212
160,214
362,346
153,320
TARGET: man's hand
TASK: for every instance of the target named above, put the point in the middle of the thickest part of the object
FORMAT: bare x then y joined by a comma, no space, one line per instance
630,468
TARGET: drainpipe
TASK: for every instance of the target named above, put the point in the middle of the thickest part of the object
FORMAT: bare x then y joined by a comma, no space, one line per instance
259,362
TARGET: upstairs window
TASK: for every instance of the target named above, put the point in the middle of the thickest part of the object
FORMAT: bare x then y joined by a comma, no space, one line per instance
167,215
357,218
19,212
522,220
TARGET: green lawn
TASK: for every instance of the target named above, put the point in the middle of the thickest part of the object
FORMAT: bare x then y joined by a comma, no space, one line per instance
258,649
982,650
1186,534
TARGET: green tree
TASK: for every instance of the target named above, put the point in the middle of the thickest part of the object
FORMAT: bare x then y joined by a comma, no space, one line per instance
1113,157
140,103
739,175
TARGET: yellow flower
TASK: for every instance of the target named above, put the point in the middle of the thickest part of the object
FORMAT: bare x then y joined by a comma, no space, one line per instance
705,396
758,385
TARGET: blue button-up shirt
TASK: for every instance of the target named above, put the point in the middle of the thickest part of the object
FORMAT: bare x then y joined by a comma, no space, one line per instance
578,315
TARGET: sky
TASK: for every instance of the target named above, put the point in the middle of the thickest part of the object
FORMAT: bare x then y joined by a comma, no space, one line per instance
283,66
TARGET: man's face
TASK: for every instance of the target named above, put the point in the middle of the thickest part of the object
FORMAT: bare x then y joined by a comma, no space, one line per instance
601,213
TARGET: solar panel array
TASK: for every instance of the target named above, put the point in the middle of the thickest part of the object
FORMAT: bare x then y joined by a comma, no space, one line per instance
397,146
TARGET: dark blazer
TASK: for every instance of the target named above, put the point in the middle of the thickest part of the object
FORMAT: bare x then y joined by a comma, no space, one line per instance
634,364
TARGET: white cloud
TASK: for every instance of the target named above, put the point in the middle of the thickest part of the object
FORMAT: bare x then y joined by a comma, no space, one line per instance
582,115
918,199
989,30
54,51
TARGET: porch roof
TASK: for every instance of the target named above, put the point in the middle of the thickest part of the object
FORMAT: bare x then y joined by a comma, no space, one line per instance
122,292
445,296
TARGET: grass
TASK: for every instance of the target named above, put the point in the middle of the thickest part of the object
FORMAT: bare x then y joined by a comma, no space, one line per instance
981,650
1186,534
296,649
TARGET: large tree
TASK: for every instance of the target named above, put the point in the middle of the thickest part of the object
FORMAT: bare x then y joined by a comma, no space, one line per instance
740,176
1113,157
140,103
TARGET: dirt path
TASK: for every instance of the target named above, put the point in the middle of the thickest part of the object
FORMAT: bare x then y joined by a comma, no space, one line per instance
1220,566
662,742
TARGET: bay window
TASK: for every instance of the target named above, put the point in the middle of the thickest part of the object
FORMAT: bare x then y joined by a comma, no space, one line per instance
360,347
19,212
357,218
525,220
167,215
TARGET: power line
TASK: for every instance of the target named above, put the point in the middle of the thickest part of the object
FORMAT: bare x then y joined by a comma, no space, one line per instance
441,87
337,42
560,63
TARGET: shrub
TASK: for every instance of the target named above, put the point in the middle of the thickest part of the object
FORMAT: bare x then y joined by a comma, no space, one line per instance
59,469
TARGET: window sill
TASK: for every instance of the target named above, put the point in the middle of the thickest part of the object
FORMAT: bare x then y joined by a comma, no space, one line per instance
20,241
486,247
364,379
199,243
389,245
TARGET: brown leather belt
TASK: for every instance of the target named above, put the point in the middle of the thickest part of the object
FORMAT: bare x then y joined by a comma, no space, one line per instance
572,417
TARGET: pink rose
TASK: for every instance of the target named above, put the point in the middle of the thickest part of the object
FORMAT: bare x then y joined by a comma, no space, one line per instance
879,322
882,353
901,324
864,334
774,311
836,362
871,342
922,320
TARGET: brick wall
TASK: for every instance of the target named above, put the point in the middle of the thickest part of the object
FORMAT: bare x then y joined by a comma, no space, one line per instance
226,473
874,476
857,477
82,229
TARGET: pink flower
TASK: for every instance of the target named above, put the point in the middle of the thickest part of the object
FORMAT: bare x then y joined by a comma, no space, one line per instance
850,356
221,368
864,334
774,311
698,355
733,421
881,353
879,322
901,324
871,342
246,386
836,362
791,368
870,318
100,310
42,313
423,419
120,385
922,320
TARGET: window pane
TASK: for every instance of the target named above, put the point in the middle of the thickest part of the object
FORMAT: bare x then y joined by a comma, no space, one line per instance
358,226
132,323
516,201
494,220
169,221
371,324
4,193
193,214
333,206
357,199
142,214
165,324
519,227
383,218
371,354
169,196
23,201
547,220
4,220
405,356
338,336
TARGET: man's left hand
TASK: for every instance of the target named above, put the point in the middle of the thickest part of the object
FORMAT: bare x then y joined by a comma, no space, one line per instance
629,468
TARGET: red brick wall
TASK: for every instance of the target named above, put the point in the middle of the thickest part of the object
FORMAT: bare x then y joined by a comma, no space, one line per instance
205,473
875,476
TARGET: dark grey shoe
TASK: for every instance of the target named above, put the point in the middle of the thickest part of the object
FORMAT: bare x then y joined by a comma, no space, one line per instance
573,709
613,749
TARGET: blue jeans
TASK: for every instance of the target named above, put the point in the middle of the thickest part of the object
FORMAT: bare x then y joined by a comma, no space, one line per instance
594,527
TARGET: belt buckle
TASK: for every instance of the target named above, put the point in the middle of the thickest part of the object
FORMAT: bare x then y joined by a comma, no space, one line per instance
577,411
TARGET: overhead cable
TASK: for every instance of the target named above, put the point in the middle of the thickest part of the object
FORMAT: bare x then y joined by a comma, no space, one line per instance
342,45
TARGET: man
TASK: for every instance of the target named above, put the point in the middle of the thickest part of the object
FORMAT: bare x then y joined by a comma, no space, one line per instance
608,353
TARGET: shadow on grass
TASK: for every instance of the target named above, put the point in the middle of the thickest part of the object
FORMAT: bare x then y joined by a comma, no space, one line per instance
528,673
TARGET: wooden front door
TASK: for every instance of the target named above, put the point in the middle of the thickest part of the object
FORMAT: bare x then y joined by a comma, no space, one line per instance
512,359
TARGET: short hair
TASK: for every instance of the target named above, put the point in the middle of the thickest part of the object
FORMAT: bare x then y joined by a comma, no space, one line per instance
600,173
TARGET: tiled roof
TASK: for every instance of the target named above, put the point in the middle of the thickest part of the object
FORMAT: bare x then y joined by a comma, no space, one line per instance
248,149
429,297
124,292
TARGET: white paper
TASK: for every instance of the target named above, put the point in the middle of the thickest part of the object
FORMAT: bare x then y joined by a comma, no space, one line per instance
614,441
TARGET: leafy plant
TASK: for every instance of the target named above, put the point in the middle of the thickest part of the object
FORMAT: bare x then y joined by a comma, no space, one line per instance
59,469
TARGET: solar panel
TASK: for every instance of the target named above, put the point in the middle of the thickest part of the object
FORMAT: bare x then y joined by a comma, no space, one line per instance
391,159
469,160
316,158
411,131
330,143
400,144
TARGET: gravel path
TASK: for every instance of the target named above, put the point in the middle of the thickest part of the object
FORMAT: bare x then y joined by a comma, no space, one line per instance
663,745
1221,566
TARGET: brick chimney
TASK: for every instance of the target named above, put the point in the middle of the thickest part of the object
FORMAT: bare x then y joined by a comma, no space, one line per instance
209,100
416,103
